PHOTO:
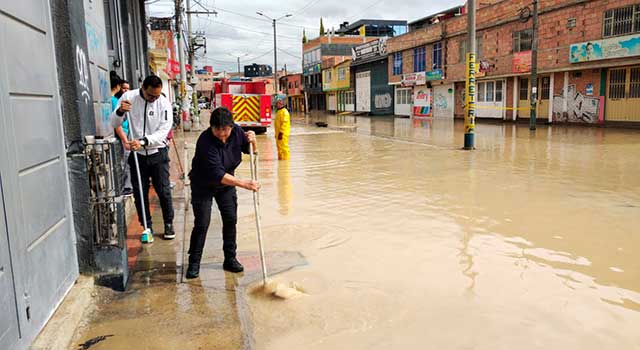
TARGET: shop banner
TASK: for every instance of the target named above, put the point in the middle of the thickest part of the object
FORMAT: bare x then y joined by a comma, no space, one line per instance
434,75
422,102
624,46
522,62
410,79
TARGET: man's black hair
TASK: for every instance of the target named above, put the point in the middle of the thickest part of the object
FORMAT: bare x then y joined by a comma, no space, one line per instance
115,79
152,81
221,117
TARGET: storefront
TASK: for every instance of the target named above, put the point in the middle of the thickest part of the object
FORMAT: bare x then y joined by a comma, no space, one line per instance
373,94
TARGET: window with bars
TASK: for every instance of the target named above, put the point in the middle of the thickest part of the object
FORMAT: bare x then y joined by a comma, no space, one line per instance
342,73
437,56
499,91
634,84
419,59
481,92
397,63
620,21
522,40
490,91
545,85
464,48
617,83
523,88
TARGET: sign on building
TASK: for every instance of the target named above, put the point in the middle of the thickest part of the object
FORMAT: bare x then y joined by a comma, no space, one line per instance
410,79
372,49
522,62
422,102
624,46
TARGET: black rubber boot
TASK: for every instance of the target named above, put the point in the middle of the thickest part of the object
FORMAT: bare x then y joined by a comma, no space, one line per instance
232,265
193,271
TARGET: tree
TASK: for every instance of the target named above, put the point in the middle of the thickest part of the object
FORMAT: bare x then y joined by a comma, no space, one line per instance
321,27
304,37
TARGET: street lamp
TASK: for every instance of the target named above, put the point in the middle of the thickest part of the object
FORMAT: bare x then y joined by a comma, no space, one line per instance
239,57
275,47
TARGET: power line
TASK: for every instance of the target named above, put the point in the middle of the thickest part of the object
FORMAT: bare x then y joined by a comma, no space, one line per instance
290,54
362,12
311,3
247,29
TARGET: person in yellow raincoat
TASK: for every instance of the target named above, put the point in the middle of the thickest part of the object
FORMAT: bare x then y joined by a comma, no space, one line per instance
282,127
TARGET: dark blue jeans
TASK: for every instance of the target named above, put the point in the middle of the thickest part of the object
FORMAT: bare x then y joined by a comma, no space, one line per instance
201,201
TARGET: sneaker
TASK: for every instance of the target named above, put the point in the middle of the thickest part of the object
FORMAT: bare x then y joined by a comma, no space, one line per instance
193,271
232,265
168,231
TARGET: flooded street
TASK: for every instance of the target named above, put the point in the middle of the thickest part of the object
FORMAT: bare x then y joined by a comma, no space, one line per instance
403,241
529,242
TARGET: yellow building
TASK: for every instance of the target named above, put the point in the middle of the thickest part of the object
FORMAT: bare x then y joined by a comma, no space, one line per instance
336,85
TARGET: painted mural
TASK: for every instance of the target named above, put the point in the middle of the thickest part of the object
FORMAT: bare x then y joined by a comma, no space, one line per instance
580,108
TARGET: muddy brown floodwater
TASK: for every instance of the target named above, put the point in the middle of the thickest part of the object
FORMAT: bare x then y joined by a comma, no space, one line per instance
530,242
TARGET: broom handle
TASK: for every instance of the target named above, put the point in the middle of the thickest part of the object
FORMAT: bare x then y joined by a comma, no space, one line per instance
140,191
256,208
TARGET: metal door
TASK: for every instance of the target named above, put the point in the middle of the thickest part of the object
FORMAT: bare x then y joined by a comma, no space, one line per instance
443,101
623,94
36,197
9,320
363,92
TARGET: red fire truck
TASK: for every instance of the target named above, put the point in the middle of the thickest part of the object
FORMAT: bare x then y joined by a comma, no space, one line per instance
247,100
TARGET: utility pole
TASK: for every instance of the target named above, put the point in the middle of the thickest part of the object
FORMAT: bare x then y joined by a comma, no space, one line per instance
275,59
470,85
183,72
238,65
194,95
534,68
275,49
192,51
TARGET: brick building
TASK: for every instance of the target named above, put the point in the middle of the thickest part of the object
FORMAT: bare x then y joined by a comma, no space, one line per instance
291,85
588,64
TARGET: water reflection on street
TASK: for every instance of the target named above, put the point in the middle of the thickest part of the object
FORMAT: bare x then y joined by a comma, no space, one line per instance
529,242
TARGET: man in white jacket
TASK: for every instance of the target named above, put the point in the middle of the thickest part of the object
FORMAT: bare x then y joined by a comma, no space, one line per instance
150,118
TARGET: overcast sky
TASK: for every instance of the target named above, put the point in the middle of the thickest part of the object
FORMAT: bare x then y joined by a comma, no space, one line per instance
238,31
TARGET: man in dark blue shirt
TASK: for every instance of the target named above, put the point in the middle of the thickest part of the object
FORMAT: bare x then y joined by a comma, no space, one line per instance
218,153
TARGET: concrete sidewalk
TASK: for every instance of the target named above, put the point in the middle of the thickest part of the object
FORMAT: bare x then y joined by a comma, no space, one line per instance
157,311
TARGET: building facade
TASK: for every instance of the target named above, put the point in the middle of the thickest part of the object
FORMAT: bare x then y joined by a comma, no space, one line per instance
291,85
373,94
56,93
258,70
336,85
588,61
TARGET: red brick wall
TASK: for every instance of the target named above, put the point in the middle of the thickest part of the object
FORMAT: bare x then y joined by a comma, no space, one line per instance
496,24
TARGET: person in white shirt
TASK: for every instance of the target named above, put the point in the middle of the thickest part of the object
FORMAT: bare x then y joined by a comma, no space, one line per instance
150,119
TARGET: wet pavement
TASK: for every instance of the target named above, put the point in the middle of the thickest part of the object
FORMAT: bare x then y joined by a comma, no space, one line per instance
402,240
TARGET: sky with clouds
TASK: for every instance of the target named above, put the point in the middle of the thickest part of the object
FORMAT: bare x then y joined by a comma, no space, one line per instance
237,31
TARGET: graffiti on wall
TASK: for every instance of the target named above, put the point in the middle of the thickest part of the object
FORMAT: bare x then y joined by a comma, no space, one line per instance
383,101
443,102
83,74
580,108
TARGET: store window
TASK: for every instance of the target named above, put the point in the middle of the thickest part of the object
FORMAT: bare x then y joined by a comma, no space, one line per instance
524,89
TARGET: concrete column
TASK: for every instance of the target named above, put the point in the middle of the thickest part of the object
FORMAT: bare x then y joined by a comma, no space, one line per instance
515,98
551,97
565,93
